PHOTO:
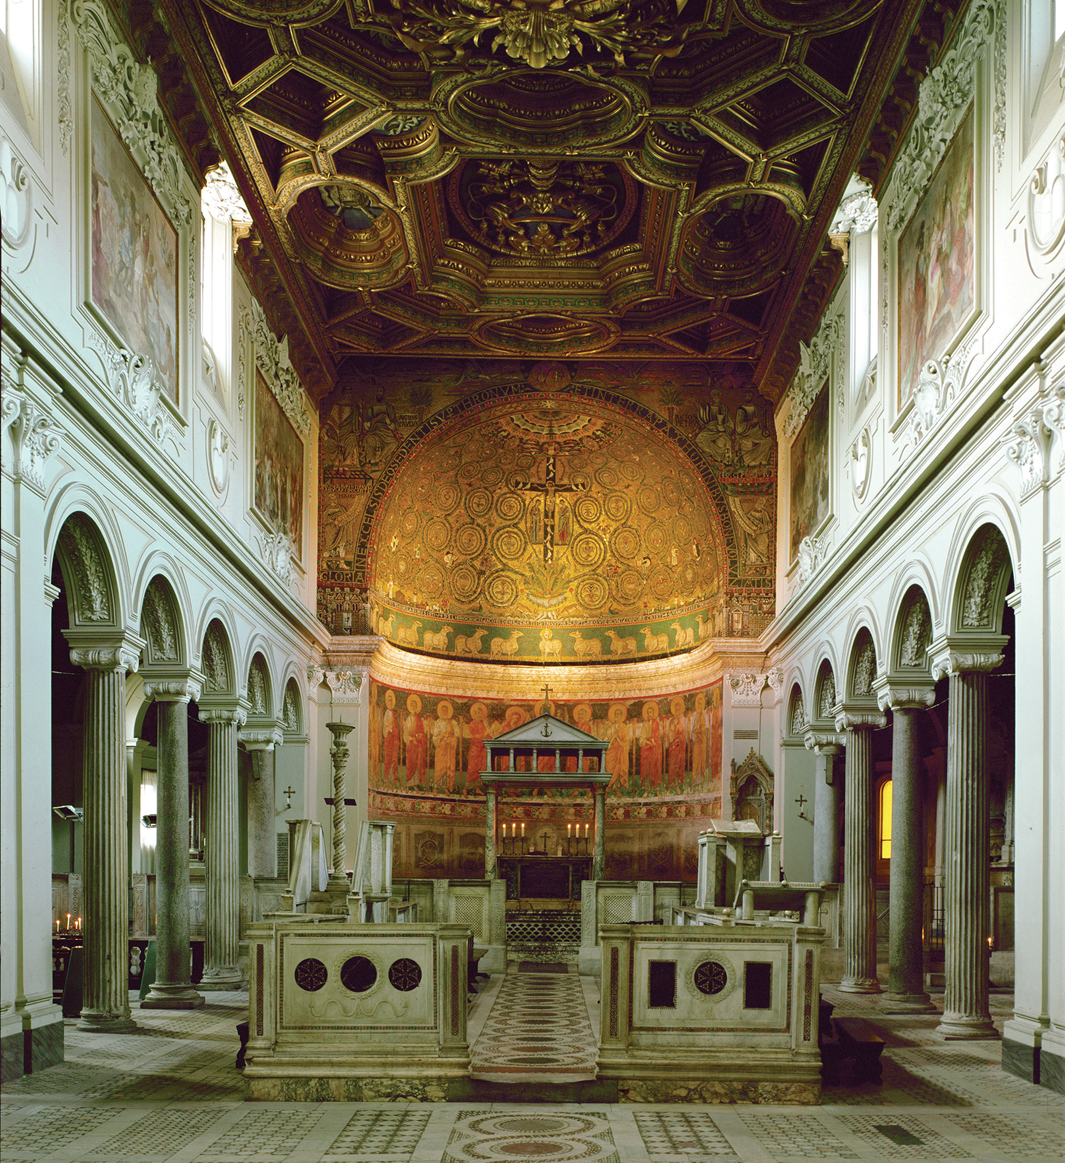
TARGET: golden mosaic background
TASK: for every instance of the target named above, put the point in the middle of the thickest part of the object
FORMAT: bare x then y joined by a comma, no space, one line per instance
549,528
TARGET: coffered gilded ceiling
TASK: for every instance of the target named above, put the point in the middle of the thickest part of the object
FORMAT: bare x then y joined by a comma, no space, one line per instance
542,179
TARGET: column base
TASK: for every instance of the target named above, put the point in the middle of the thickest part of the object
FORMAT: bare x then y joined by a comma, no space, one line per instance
99,1023
172,997
956,1027
906,1003
227,978
859,985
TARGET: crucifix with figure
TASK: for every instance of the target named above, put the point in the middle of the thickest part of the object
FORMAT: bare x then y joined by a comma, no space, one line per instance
549,487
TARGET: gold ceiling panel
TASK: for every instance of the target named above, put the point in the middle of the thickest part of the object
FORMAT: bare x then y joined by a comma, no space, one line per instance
537,178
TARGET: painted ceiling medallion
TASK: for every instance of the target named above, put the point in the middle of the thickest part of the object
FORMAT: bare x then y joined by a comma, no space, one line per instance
543,208
540,32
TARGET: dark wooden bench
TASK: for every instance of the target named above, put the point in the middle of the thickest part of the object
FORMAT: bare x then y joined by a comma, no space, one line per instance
861,1043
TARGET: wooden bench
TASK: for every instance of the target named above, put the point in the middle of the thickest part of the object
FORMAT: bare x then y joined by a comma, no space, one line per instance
863,1045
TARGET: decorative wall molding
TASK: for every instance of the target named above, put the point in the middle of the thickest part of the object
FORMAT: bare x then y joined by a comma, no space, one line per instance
243,340
222,200
132,379
215,661
815,366
861,457
345,686
1044,230
864,670
998,122
1054,418
66,117
987,562
159,623
797,723
16,197
811,556
916,632
747,689
942,99
290,712
271,358
939,385
826,701
218,445
34,434
88,591
130,91
1028,445
257,688
857,213
276,550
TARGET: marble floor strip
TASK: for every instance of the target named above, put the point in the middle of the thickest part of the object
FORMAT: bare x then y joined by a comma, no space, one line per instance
169,1093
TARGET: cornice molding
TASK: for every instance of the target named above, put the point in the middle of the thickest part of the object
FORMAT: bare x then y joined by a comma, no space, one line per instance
272,359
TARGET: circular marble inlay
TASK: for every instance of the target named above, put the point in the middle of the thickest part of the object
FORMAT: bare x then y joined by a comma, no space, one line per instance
532,1126
405,974
532,1149
358,974
710,977
311,974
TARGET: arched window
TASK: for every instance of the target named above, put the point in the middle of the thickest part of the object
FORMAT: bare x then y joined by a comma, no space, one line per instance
883,815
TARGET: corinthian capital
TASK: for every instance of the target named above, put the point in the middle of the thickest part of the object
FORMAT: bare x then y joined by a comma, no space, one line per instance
236,715
824,742
261,738
855,719
904,695
173,688
117,651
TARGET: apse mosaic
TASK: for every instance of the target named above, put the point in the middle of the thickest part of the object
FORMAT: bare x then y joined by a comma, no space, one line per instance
429,745
479,515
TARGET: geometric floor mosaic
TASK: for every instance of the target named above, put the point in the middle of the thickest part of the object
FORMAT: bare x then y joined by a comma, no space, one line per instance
169,1093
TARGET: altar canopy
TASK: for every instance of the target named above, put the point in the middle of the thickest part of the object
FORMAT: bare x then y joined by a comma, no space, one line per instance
545,753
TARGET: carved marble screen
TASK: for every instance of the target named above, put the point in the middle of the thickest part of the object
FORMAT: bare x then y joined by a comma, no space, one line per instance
134,272
937,264
278,466
809,473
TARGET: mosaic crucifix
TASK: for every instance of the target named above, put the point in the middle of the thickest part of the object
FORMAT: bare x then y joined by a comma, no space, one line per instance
549,487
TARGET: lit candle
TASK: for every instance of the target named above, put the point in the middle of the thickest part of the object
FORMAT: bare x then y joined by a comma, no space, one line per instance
68,922
57,926
523,829
569,829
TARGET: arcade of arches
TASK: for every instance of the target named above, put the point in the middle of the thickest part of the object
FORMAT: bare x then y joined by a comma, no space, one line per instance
716,386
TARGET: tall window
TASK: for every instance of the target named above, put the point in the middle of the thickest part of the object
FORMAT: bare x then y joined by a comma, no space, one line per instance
20,61
884,818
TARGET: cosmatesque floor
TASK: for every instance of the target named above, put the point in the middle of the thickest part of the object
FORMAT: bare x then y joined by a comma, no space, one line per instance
169,1093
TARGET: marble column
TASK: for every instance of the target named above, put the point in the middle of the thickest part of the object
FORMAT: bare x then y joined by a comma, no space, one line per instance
105,884
338,751
906,992
598,860
260,745
221,969
490,832
966,890
826,806
172,988
859,865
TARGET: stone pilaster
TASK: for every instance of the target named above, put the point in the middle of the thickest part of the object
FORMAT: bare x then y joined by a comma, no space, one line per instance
172,988
260,743
859,865
222,945
825,746
966,880
906,993
105,982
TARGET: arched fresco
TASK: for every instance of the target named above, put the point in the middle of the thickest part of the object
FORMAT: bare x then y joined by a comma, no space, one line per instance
650,485
547,528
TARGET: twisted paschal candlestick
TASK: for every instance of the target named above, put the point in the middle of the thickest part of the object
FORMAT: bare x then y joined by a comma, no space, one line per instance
338,751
